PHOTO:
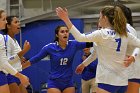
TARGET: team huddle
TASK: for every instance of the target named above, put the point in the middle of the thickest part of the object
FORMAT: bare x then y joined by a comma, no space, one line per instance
115,45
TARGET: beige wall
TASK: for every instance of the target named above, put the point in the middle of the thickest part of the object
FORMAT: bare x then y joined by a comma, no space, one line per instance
3,4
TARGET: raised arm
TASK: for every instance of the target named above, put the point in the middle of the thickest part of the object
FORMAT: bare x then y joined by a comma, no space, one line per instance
63,15
25,49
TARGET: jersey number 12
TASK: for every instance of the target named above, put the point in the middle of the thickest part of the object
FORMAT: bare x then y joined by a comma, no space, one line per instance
63,61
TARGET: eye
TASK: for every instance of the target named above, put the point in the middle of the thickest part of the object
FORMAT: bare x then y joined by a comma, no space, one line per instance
67,31
62,31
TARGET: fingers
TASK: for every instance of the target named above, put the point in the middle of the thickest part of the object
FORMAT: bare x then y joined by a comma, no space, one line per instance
127,63
65,9
27,84
60,10
79,69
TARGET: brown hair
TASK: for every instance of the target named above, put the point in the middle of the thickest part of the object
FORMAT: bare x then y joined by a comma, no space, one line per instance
126,10
116,18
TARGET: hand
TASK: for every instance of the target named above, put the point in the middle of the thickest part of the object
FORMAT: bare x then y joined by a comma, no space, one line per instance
26,64
23,60
26,46
80,68
23,79
129,60
62,13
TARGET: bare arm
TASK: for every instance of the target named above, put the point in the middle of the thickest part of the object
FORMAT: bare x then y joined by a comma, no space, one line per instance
63,14
85,63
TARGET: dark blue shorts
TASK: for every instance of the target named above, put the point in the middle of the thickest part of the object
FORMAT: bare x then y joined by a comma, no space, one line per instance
12,79
61,85
134,80
3,79
112,89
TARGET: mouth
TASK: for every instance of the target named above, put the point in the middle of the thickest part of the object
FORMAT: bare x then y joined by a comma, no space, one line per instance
65,37
18,28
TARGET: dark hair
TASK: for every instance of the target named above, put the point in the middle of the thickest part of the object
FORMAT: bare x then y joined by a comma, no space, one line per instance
9,21
127,12
116,18
57,30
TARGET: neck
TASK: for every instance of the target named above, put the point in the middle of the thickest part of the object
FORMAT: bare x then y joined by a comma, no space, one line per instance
62,44
109,26
11,34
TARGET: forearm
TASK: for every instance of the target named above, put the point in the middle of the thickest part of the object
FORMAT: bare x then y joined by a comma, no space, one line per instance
90,59
22,53
6,66
68,23
77,35
26,64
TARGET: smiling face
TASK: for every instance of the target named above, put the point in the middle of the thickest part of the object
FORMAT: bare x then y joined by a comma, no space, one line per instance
2,19
13,25
63,34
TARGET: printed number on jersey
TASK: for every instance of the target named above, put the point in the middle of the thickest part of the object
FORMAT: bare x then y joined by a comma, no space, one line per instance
118,40
63,61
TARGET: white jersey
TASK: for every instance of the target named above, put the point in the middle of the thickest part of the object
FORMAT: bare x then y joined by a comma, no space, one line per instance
111,51
133,69
136,65
12,49
130,49
4,65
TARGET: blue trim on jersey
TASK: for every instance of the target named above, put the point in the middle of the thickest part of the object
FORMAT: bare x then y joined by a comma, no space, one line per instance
134,80
112,89
127,30
61,59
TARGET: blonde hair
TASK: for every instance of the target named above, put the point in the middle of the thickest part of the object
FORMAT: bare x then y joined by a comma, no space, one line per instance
116,18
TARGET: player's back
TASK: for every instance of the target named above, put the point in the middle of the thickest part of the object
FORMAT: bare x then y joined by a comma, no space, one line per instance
112,48
111,51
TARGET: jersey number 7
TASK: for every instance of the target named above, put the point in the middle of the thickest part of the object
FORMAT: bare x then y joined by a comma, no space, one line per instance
118,40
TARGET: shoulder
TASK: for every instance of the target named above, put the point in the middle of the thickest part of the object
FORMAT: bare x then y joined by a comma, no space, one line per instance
131,29
50,45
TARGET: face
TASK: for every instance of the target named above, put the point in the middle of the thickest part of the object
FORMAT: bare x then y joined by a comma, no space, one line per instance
15,26
3,20
63,34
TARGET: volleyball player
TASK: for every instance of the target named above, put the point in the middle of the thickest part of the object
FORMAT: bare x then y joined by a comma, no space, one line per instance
112,41
4,65
14,53
61,53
